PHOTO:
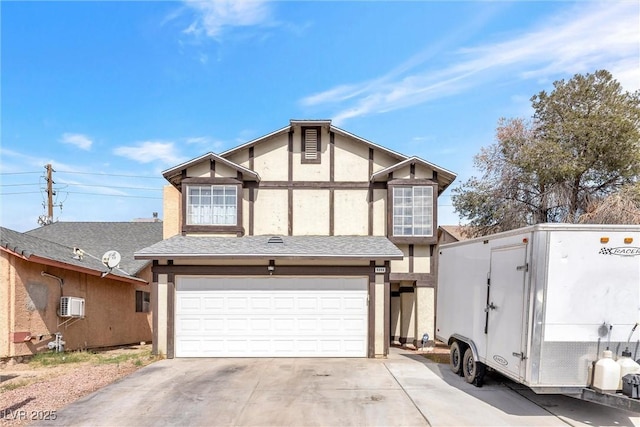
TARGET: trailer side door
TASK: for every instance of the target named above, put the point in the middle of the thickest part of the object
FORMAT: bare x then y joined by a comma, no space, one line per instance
505,310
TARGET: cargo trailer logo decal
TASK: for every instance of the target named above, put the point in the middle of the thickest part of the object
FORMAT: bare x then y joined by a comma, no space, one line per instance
501,360
621,251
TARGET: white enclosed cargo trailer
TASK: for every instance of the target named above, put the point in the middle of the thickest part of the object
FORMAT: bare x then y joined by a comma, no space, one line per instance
539,303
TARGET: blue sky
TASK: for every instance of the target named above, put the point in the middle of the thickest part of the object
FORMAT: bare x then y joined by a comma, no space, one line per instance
113,93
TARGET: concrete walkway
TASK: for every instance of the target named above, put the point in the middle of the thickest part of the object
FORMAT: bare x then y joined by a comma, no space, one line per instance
404,390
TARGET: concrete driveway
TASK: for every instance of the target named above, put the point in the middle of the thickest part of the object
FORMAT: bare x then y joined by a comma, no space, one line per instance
403,390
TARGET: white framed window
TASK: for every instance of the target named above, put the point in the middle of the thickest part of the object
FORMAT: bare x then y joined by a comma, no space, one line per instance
413,211
212,205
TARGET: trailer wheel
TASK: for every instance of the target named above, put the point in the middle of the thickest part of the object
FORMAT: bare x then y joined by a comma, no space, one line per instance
455,357
473,371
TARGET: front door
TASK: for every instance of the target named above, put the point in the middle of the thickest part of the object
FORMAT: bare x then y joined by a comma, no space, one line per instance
505,310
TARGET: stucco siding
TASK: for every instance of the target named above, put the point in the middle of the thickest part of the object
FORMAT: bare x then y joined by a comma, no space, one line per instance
351,160
351,212
379,339
271,159
407,317
5,302
402,265
423,173
310,212
402,173
382,161
224,171
245,211
425,312
421,259
172,211
163,319
379,212
110,311
271,213
240,158
199,170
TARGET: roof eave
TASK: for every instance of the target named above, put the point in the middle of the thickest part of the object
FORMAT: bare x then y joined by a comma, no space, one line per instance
85,270
353,257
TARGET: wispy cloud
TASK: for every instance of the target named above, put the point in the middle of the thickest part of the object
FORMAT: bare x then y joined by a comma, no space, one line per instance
214,16
151,151
582,39
79,140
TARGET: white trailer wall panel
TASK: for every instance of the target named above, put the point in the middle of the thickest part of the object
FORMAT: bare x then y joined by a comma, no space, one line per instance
532,301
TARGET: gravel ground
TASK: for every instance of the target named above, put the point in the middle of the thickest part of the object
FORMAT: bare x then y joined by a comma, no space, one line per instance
40,392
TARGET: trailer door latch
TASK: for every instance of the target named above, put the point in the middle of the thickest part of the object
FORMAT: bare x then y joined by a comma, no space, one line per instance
523,267
491,306
519,355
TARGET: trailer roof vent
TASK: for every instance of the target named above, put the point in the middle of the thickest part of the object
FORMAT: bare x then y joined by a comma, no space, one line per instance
275,239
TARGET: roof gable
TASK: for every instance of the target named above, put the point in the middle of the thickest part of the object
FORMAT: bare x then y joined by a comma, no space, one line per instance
444,176
174,175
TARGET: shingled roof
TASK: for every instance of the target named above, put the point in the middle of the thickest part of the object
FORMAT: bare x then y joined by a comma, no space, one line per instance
35,249
96,238
274,247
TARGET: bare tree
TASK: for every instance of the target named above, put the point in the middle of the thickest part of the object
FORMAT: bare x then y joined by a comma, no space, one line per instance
582,145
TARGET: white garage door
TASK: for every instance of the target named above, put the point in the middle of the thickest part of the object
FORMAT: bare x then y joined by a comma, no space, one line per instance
271,317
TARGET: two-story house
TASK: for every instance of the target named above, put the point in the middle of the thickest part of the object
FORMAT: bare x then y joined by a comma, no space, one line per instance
308,241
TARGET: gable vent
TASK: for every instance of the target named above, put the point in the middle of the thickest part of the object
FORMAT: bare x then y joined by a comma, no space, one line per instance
310,144
275,239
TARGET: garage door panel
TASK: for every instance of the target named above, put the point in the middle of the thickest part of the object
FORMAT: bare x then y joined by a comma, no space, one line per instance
213,303
283,303
275,317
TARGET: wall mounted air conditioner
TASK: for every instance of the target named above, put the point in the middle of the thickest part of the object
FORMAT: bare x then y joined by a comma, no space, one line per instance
71,307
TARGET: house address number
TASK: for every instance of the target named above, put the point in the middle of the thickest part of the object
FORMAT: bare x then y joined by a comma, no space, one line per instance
381,270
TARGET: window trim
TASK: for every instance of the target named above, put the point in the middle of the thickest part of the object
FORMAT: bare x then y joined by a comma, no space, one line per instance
145,297
303,159
216,229
429,239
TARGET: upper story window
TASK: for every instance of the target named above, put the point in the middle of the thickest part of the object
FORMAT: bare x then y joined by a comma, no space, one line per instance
311,144
413,211
212,205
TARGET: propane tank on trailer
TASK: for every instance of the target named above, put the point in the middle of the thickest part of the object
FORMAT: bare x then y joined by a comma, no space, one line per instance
627,366
606,374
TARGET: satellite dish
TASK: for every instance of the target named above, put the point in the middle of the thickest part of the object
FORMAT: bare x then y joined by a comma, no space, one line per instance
111,259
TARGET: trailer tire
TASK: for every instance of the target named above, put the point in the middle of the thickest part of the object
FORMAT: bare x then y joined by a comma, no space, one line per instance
473,371
455,357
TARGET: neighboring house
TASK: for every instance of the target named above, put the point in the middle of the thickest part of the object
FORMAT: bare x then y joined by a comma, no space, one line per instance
450,234
52,280
309,241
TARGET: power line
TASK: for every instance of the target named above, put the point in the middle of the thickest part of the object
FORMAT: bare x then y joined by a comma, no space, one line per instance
17,173
110,186
113,195
111,174
22,192
19,185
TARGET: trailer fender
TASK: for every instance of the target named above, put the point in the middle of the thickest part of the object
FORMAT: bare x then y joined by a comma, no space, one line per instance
468,342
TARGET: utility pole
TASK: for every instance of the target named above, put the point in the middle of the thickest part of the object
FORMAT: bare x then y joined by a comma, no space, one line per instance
50,192
48,219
